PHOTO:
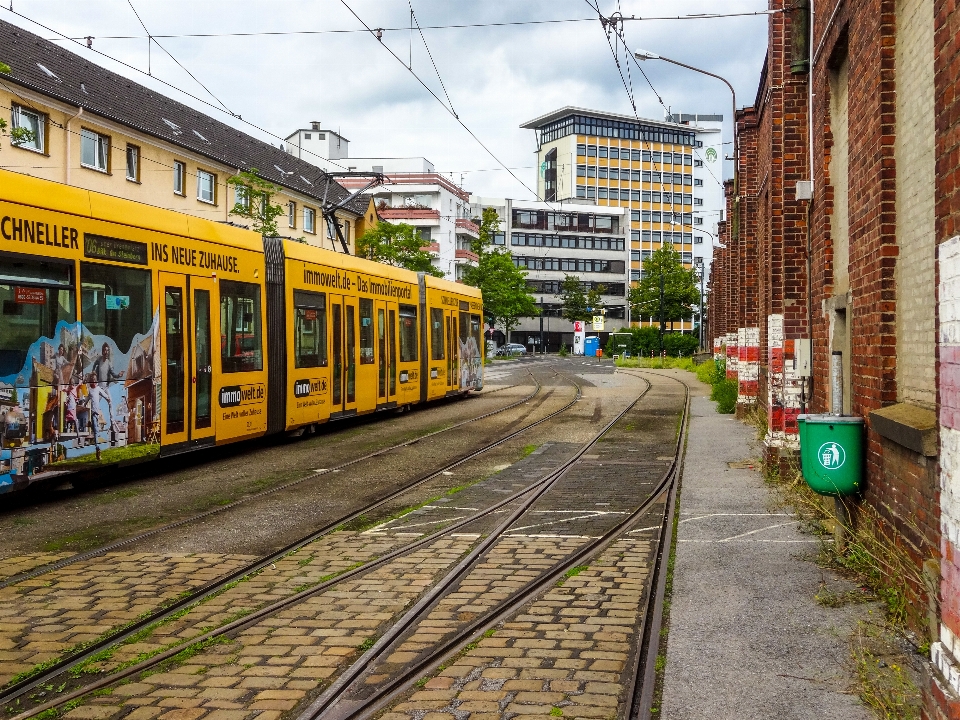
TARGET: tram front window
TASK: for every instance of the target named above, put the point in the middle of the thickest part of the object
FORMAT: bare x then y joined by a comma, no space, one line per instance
116,302
34,298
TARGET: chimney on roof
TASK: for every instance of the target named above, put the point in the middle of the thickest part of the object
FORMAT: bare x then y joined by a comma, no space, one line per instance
315,124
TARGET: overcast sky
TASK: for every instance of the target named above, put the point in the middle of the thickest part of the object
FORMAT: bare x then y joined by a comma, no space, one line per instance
497,77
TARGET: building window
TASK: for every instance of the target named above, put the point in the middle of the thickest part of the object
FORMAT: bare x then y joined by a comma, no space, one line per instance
656,197
658,157
581,191
206,187
603,151
646,156
241,197
292,214
698,239
688,180
614,153
581,170
698,182
591,171
133,163
591,193
635,215
602,173
667,158
30,129
179,177
698,221
602,194
697,201
94,150
307,136
581,149
614,174
698,163
592,151
635,255
699,143
309,220
635,235
646,216
634,275
635,195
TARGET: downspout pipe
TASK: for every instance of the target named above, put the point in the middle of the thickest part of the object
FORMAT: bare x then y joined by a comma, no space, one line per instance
69,138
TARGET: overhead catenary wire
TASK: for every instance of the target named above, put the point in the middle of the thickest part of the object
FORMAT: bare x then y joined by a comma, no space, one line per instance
413,17
167,84
435,97
457,26
152,39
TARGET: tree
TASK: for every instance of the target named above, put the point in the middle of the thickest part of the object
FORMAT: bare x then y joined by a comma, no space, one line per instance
667,291
595,304
398,245
253,201
489,224
574,299
504,287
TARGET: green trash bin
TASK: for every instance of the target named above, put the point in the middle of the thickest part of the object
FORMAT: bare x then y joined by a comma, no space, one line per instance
831,453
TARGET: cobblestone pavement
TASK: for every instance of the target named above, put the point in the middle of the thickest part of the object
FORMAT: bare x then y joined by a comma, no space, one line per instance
269,668
78,603
568,649
565,653
24,563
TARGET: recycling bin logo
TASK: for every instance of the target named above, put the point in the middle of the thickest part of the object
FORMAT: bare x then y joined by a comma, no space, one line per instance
831,455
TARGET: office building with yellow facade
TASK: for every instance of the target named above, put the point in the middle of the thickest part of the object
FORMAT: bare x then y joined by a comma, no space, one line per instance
668,173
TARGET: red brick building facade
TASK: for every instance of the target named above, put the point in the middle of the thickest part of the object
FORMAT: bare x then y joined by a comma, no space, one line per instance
844,236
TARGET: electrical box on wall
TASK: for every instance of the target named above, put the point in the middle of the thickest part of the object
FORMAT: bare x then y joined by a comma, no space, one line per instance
804,359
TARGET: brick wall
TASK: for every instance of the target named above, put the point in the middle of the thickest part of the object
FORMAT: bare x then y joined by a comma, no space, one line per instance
942,698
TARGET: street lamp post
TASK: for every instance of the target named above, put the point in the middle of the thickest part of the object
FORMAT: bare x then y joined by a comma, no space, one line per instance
646,55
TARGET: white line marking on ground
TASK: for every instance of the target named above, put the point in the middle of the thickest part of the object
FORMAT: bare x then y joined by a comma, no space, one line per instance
759,530
647,529
592,514
710,515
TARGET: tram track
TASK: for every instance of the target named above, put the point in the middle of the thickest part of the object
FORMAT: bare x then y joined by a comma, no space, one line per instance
346,698
15,691
119,544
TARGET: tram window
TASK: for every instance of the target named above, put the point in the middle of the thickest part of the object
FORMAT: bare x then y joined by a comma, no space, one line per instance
115,301
436,333
408,333
240,336
34,297
366,332
310,329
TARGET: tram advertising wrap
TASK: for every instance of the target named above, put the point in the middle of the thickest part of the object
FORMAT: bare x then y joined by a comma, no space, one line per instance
122,341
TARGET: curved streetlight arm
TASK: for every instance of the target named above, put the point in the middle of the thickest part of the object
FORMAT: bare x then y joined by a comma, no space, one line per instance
645,55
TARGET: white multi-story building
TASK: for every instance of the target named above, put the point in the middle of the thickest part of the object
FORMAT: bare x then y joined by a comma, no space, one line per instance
413,193
553,240
666,174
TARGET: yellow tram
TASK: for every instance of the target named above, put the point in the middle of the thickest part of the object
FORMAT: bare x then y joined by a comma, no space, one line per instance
129,332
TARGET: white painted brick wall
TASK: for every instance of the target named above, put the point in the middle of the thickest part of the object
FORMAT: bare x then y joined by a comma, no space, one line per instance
914,150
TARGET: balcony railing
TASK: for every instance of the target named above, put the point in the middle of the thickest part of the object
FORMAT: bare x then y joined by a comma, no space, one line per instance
470,257
402,213
469,226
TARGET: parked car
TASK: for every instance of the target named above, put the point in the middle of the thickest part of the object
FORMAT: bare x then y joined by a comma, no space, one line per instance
511,349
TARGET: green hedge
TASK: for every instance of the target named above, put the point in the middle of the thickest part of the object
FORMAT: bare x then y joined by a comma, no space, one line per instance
645,341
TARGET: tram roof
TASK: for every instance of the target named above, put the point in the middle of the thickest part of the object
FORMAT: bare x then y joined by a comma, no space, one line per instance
46,68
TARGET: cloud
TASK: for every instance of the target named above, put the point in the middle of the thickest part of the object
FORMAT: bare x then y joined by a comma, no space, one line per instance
497,77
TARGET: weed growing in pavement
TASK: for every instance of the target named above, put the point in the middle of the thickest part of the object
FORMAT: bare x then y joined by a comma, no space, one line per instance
572,572
366,644
421,682
555,711
884,684
528,449
490,633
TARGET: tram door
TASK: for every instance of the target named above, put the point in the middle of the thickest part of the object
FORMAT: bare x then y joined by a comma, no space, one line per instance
386,322
343,351
189,316
453,351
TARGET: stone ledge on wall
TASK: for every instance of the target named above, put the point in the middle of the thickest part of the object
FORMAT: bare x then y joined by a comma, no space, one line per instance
909,425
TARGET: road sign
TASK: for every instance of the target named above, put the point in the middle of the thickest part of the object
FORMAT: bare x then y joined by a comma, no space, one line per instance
598,322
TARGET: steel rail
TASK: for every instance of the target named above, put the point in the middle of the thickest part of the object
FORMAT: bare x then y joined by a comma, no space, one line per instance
14,691
90,554
328,705
639,696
